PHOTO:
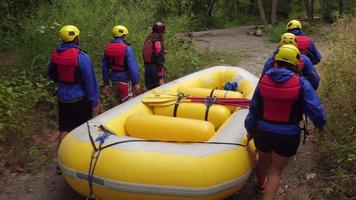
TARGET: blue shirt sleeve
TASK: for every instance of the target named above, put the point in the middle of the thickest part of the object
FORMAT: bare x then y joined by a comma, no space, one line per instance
252,116
268,65
52,72
90,82
316,54
105,70
311,104
133,70
310,73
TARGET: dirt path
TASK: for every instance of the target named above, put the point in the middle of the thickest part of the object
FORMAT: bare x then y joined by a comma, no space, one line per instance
254,50
296,180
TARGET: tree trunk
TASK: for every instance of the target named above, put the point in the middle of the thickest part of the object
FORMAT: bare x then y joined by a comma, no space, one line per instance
341,7
274,12
211,7
310,9
253,5
261,10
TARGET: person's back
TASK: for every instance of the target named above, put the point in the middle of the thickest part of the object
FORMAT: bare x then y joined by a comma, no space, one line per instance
77,88
120,67
72,70
280,99
304,43
154,57
304,66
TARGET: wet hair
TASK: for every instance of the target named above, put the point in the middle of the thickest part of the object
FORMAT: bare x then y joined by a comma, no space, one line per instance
289,66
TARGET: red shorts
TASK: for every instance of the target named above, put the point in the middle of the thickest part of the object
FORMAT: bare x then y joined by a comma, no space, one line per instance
123,91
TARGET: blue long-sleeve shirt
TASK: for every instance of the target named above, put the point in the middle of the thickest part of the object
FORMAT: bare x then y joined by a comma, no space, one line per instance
131,72
68,92
316,56
309,71
310,106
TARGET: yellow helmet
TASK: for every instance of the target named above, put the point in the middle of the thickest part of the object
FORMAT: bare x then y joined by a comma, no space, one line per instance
288,53
288,38
293,24
68,33
119,31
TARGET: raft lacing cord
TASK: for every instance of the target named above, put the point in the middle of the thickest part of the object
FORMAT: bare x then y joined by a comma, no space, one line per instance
209,101
96,152
309,53
171,141
176,105
94,158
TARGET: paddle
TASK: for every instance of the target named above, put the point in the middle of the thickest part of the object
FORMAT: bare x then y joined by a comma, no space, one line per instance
170,99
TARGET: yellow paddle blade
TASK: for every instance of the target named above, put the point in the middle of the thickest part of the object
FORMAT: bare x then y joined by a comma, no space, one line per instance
169,103
158,98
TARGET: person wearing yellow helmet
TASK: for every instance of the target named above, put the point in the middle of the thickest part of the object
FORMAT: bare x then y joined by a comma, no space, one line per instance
154,56
77,88
304,43
305,67
119,66
288,38
277,106
69,33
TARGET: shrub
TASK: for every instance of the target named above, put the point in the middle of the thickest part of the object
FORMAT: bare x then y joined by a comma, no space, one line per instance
338,93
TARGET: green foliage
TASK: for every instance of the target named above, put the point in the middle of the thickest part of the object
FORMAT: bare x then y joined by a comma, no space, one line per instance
338,93
19,93
39,34
274,32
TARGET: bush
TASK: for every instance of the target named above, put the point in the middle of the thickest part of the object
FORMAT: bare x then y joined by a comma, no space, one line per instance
39,34
338,93
20,92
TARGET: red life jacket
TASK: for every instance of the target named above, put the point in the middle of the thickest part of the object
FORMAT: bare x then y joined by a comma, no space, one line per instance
149,50
116,53
67,65
303,44
280,102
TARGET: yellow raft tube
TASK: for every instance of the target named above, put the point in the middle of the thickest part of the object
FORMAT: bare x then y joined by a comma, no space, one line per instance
144,164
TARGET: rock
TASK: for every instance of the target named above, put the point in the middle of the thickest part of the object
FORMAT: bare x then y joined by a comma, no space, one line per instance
258,32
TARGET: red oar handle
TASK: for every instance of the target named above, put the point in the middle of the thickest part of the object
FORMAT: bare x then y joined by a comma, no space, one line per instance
221,98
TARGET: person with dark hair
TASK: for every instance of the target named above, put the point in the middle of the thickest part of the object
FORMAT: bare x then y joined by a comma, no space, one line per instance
280,99
304,43
77,88
304,66
120,67
154,56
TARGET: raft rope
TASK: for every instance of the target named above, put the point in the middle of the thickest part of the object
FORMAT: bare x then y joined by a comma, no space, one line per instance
106,133
171,141
176,105
310,54
94,158
209,101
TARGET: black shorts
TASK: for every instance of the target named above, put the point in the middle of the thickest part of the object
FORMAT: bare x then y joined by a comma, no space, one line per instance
284,145
72,115
151,77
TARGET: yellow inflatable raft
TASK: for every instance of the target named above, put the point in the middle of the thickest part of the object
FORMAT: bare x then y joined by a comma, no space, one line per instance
156,147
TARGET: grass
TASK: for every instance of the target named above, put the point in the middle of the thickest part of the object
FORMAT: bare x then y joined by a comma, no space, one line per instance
338,93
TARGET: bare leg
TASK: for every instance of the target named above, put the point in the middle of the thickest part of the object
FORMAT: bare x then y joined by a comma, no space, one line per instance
263,164
277,165
61,137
